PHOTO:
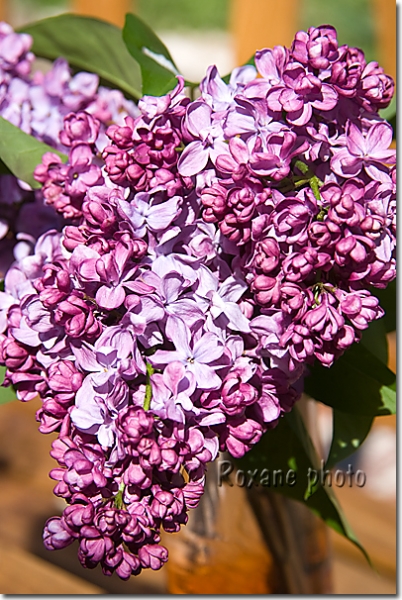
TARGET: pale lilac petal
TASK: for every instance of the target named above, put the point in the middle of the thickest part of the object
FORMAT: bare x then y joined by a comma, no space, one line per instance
330,98
270,409
26,335
344,164
291,102
236,318
110,298
173,374
238,122
86,420
194,159
300,117
164,357
83,261
86,405
81,154
198,118
151,310
242,75
265,62
273,99
214,85
171,286
379,138
161,215
184,400
106,435
186,309
5,302
212,418
174,412
179,333
259,89
207,281
160,393
211,443
232,289
139,287
239,149
355,141
220,148
85,356
206,377
378,172
208,348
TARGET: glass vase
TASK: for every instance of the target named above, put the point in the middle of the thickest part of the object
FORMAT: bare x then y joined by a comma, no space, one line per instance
248,541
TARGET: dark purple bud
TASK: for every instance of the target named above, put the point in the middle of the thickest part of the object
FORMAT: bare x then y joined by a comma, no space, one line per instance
57,534
79,127
152,556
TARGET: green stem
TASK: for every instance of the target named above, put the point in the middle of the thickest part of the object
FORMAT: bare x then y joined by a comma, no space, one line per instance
314,184
303,168
118,499
313,180
148,386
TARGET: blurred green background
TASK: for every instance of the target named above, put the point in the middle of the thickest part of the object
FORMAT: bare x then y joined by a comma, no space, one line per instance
352,18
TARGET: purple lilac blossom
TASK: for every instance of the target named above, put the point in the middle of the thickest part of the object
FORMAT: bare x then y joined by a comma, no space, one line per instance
204,254
38,103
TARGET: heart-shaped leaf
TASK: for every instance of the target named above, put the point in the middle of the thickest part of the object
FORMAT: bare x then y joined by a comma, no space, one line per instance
21,152
90,45
374,338
358,383
289,449
387,300
157,66
349,432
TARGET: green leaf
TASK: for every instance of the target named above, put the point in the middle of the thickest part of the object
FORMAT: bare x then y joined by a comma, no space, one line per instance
387,300
288,448
4,170
88,44
374,338
389,113
349,432
21,152
157,66
358,383
7,394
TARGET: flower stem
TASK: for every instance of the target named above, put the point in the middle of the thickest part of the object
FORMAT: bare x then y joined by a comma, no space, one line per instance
148,387
312,179
118,499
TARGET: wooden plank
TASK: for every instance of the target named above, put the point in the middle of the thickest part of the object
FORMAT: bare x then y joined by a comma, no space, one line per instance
374,523
384,12
109,10
3,10
359,579
24,573
257,24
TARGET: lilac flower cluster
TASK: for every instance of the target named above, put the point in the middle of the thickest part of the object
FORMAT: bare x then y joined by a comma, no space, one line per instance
304,183
215,249
38,103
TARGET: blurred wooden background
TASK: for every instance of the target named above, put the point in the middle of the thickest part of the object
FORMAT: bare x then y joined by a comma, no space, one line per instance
254,23
27,500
